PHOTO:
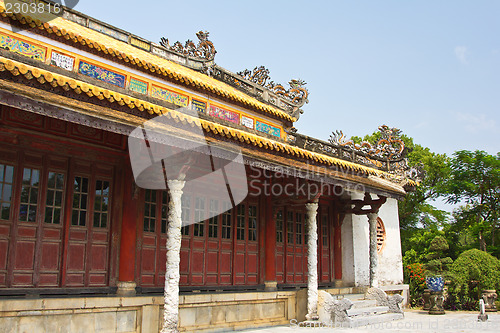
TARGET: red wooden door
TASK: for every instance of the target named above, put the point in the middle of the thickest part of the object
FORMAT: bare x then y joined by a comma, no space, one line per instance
89,227
280,247
296,247
7,171
154,236
324,231
246,245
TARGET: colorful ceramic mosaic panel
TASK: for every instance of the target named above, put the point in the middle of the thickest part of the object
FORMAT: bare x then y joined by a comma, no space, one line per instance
21,47
247,122
101,74
198,106
138,86
224,114
263,127
62,61
169,96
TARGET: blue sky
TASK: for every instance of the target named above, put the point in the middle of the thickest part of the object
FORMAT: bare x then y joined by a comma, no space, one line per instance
429,68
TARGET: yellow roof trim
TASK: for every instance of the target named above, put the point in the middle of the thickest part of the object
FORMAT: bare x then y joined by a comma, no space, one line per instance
140,58
44,76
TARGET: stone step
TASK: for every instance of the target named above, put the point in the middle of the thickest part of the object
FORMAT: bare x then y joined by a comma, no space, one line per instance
374,319
368,311
363,303
352,297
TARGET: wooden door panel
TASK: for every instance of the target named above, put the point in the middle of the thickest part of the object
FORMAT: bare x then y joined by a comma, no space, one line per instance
50,256
49,279
25,254
198,262
76,257
97,279
148,260
98,257
22,279
252,263
212,262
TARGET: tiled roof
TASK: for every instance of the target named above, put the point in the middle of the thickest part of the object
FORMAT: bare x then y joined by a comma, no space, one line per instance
122,51
46,77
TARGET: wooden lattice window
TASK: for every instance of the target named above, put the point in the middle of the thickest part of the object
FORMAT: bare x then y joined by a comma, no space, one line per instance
54,201
199,216
80,198
380,234
240,223
226,221
213,222
6,182
279,226
186,214
252,223
29,195
150,211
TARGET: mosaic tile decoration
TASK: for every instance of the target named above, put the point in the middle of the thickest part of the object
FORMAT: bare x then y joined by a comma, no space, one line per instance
224,114
169,96
247,122
101,74
23,48
198,106
62,61
262,127
138,86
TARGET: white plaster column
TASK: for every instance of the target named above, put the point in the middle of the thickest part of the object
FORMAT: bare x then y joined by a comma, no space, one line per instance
172,275
372,220
312,262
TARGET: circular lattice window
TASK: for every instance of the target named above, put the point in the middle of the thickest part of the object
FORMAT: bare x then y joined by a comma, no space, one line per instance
380,234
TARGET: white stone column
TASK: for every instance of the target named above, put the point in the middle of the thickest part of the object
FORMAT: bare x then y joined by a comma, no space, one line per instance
372,220
312,262
172,275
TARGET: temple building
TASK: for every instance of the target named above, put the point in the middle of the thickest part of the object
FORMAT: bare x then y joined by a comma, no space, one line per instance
83,246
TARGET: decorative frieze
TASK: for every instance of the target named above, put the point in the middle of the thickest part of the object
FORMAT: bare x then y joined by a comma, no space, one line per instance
223,114
22,47
102,74
138,86
169,96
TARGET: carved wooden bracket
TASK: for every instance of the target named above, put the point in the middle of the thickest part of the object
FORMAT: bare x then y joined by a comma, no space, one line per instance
357,206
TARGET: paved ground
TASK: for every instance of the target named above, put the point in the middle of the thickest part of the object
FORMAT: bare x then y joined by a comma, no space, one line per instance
414,321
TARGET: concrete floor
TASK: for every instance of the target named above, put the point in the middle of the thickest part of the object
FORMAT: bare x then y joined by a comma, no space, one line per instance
414,321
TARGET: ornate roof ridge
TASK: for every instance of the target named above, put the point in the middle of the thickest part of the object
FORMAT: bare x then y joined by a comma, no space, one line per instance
43,76
255,83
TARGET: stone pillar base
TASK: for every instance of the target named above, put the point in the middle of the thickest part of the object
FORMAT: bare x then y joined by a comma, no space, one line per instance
125,288
270,285
436,303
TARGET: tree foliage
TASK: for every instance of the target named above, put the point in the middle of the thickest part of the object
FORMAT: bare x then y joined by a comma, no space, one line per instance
437,261
475,180
472,272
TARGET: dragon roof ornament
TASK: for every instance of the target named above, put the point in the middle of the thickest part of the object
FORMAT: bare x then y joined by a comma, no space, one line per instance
204,50
389,148
297,93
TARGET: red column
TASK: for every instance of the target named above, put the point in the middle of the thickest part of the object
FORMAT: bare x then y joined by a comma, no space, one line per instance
337,241
270,246
126,284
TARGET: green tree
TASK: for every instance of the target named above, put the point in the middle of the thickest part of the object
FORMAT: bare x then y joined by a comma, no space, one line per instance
417,211
437,263
475,180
